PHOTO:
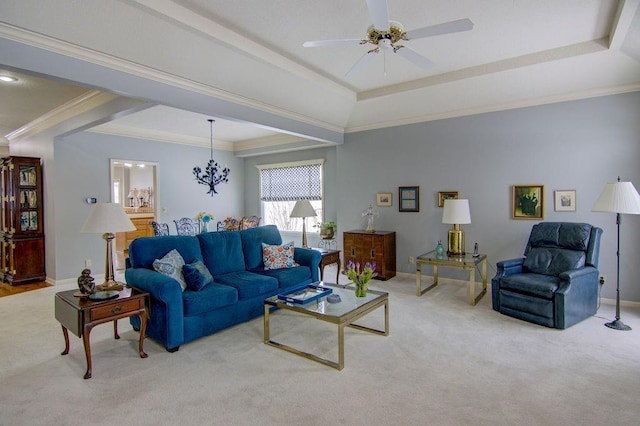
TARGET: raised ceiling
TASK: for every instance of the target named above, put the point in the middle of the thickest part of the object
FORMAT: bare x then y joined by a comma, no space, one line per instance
519,53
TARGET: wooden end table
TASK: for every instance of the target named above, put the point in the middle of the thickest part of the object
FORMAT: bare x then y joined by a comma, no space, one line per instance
329,257
80,315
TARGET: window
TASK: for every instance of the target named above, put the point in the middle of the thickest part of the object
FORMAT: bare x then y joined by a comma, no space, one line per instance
281,185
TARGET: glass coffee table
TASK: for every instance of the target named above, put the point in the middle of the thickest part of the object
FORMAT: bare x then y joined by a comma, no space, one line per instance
343,314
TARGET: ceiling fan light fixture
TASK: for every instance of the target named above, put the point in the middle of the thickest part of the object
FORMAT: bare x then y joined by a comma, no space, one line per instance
384,33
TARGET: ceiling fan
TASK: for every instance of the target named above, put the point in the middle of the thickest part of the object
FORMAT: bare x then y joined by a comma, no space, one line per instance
386,36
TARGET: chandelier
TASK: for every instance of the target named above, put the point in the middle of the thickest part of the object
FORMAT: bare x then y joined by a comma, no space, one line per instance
213,173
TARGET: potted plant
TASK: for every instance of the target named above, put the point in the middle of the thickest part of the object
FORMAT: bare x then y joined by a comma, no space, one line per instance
327,230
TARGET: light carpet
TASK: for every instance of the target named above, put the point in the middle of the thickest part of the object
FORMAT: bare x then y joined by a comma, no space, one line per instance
445,362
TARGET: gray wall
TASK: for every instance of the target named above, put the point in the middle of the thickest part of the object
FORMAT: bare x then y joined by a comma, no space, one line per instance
578,145
82,170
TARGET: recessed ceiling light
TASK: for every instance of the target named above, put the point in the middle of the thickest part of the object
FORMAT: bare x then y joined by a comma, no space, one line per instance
7,78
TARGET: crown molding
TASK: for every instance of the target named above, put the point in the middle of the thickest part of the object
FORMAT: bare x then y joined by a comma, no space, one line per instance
51,44
79,105
567,97
267,141
158,136
564,52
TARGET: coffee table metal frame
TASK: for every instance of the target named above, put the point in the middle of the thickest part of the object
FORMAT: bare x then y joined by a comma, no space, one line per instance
321,309
466,262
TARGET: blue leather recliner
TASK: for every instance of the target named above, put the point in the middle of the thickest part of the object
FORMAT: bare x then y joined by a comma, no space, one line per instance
556,283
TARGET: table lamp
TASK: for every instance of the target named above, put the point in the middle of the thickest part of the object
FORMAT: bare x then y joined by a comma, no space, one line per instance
618,198
107,219
303,209
456,212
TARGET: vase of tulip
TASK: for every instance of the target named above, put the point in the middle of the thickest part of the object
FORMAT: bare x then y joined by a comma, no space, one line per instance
361,276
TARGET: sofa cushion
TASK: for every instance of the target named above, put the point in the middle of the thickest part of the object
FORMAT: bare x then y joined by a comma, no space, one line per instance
533,284
196,275
210,298
289,277
553,261
252,240
248,284
143,251
278,256
222,252
171,265
568,235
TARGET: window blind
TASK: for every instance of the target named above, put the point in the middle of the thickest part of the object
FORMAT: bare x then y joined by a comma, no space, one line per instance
291,182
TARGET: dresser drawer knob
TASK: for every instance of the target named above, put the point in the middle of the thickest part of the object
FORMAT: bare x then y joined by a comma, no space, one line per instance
116,309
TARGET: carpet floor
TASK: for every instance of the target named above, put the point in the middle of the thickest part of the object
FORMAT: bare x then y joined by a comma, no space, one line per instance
444,362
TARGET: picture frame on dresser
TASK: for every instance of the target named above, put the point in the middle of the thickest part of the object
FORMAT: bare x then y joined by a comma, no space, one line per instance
409,199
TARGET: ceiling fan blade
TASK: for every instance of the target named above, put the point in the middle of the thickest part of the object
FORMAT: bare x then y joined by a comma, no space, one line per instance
444,28
342,42
361,63
379,11
414,57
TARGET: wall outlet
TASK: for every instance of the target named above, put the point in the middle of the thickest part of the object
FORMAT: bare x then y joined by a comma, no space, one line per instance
411,260
87,263
602,279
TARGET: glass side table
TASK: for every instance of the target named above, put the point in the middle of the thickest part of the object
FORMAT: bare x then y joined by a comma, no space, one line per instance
466,262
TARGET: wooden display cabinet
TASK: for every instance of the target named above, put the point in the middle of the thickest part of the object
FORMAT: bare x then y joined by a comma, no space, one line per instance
21,220
380,247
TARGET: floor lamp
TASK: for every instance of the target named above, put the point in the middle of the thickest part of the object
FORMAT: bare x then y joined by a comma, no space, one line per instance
107,219
303,209
619,198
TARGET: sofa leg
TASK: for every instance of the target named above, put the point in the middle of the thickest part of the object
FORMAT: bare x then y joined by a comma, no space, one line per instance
172,350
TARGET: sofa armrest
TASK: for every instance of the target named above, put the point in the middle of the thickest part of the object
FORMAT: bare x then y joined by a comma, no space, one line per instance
575,275
577,296
504,269
166,294
309,257
510,267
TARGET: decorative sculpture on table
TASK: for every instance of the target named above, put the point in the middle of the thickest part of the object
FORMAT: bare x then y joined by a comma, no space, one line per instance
370,213
86,283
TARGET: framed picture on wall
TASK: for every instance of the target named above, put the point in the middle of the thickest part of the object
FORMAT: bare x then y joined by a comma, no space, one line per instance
528,202
409,199
565,200
447,195
383,199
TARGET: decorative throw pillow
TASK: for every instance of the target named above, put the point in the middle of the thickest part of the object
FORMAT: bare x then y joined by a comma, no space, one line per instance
278,257
197,275
171,264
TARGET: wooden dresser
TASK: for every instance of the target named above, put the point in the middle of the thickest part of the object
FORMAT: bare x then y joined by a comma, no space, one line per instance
142,222
379,246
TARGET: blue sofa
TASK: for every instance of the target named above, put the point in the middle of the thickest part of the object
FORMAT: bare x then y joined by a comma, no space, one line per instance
241,282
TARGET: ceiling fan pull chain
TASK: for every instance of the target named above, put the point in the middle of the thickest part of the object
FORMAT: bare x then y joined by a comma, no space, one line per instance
385,62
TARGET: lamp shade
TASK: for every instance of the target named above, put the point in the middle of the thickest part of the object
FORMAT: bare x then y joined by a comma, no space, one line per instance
303,208
107,218
456,212
618,197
